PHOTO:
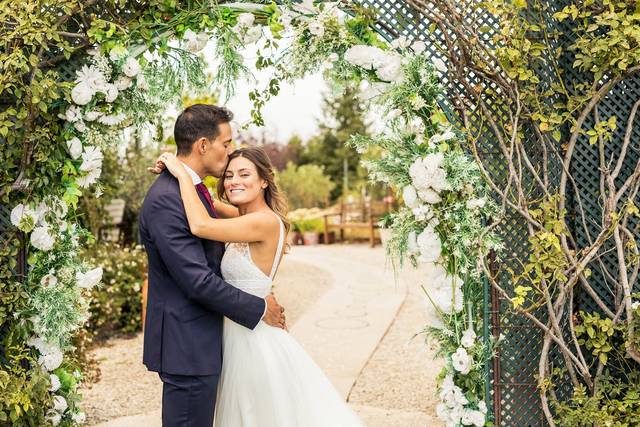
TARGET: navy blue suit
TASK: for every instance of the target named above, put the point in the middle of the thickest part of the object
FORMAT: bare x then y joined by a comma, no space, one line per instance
187,300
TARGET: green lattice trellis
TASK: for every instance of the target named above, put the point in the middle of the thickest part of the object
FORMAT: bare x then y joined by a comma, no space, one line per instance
512,389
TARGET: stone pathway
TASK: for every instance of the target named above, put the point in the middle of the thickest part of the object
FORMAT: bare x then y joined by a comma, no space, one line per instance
353,321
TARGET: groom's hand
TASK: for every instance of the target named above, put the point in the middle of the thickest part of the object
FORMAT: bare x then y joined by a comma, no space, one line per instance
275,313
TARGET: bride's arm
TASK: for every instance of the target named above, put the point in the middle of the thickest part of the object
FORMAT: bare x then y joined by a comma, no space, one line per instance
254,227
226,210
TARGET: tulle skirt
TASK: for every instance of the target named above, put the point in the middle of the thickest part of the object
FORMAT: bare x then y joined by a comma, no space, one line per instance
268,380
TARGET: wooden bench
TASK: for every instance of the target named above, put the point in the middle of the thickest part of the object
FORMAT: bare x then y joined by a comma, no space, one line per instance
358,215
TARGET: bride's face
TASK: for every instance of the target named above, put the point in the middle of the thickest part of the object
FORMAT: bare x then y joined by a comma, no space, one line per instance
242,184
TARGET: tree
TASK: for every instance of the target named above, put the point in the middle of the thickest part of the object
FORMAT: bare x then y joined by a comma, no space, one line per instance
305,186
344,116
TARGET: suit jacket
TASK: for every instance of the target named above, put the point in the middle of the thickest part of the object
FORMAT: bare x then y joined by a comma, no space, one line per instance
187,299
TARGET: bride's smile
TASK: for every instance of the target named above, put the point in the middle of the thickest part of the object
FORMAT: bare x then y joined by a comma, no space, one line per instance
242,183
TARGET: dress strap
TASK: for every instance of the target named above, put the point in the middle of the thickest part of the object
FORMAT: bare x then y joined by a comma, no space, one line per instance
276,259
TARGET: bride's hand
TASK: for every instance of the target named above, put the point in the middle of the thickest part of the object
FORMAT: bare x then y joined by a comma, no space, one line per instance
171,163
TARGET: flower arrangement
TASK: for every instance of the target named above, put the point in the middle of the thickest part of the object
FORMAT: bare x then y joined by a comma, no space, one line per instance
446,202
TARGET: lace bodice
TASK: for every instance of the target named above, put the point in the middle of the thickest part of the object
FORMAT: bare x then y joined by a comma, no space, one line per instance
239,270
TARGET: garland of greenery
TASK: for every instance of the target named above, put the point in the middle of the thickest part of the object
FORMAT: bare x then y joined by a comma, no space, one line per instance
128,79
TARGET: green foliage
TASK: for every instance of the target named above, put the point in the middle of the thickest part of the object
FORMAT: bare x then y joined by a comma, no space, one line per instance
596,334
615,403
344,117
116,304
305,186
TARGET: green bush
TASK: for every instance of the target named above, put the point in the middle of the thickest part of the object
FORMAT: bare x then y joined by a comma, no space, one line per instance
116,305
305,186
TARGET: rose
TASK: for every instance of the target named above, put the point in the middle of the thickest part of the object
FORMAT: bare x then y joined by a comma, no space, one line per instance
42,239
316,28
364,56
429,244
54,418
79,417
123,83
475,203
196,42
51,360
246,19
439,65
60,404
110,92
131,67
75,148
49,280
418,47
82,93
391,69
73,114
410,196
55,383
468,338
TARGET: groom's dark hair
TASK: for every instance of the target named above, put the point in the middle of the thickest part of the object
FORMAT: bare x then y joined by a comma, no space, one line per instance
198,121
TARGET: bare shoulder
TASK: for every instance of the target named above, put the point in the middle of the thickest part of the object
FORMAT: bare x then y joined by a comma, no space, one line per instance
264,219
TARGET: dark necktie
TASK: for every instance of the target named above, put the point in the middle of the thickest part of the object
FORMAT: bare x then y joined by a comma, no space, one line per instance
202,189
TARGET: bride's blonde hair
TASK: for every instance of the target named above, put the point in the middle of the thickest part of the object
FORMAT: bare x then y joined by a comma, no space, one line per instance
272,194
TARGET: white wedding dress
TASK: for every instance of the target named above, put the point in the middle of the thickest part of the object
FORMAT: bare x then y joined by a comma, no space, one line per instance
267,378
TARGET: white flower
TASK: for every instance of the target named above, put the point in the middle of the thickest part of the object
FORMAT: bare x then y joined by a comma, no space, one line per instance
123,82
112,120
21,212
89,279
400,43
252,35
428,174
51,360
42,239
246,19
110,92
131,67
418,47
439,137
369,57
462,361
286,19
439,65
92,77
476,203
91,159
60,404
82,93
429,244
75,148
482,406
49,280
423,213
141,82
447,291
196,42
90,178
394,114
73,114
79,417
412,244
98,192
370,91
391,69
54,418
316,28
418,103
635,305
93,115
80,126
333,57
472,417
306,6
468,338
55,383
410,196
429,196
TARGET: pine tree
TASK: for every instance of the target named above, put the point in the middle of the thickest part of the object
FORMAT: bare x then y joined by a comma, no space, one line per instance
343,116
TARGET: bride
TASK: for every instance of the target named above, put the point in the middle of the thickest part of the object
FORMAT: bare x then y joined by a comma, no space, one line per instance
267,379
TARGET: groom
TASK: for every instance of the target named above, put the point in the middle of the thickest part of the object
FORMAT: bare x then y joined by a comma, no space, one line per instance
187,299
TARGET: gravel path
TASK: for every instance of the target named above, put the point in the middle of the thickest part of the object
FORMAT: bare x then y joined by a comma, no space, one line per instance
401,374
127,388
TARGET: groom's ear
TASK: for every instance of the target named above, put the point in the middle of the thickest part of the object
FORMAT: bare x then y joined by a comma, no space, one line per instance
200,146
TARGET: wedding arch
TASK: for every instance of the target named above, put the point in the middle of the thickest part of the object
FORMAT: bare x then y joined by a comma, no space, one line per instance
75,74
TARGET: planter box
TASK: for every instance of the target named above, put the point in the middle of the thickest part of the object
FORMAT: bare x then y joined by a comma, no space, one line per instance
294,238
310,238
